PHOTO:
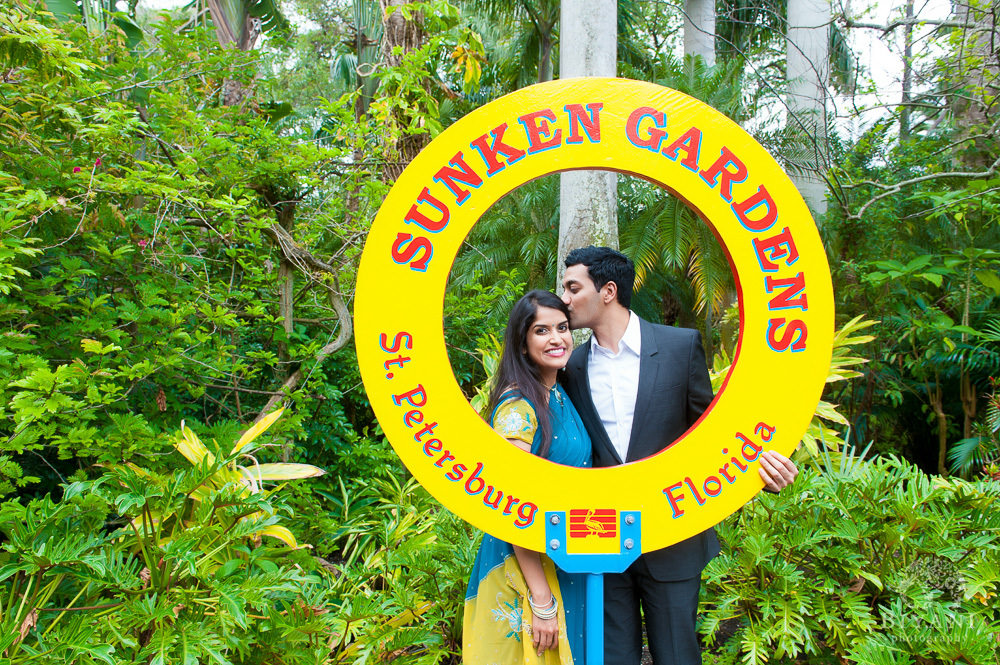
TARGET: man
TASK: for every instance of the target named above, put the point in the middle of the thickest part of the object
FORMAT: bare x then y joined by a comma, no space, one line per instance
638,387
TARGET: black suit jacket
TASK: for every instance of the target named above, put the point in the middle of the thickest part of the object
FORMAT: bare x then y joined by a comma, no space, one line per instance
674,390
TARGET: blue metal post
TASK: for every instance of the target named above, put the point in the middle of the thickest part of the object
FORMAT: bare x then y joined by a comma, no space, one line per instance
594,634
558,547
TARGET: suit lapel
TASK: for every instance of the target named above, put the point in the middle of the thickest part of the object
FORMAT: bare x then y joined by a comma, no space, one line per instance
586,409
648,368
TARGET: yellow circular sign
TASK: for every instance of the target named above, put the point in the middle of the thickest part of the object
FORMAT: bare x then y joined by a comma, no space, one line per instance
785,296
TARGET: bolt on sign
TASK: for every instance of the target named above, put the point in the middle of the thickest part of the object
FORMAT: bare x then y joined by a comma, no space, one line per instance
699,155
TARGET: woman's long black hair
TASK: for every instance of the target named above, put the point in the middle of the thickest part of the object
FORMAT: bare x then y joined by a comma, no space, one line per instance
516,368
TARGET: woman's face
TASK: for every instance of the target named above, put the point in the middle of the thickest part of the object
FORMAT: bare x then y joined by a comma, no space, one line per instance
549,343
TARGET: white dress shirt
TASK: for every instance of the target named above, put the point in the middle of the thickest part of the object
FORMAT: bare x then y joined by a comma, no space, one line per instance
614,384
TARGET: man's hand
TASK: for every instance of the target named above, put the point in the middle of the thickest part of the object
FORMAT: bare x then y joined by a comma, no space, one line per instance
776,470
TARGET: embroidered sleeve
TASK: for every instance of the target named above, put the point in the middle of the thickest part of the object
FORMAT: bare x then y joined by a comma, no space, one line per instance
515,419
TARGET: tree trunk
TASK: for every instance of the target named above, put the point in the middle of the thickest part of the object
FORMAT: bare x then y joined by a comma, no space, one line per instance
935,398
808,68
286,295
407,35
545,57
300,258
977,69
968,395
285,218
368,31
240,30
397,31
699,29
904,102
588,201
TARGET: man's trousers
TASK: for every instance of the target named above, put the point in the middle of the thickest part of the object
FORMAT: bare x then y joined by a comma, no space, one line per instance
670,610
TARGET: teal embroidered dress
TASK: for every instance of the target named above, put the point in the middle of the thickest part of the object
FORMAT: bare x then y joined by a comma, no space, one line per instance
497,628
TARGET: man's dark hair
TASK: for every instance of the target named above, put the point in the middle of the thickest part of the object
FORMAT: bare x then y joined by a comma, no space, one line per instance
606,265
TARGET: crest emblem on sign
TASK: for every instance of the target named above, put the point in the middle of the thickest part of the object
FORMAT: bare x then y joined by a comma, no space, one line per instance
593,522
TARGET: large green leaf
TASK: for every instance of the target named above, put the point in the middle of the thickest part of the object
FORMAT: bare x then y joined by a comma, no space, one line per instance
191,447
284,471
257,429
989,279
95,14
65,10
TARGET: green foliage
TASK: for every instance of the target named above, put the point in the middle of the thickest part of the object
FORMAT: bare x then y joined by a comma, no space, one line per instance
140,566
403,558
476,312
147,232
521,38
980,454
872,559
247,481
170,251
520,232
139,259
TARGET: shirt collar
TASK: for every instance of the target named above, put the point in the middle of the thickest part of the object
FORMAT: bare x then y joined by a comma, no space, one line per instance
631,340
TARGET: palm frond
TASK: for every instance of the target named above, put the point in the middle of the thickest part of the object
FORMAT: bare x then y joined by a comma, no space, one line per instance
991,330
678,227
520,231
710,273
967,455
639,239
843,64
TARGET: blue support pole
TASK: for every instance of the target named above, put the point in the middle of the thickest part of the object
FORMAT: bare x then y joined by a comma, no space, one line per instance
559,545
594,649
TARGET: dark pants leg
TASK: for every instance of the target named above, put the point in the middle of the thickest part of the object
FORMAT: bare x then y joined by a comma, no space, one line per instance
670,609
622,627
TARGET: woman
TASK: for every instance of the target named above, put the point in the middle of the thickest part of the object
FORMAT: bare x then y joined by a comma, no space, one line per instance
518,607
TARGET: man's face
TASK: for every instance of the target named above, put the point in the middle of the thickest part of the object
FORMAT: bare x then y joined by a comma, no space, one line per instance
584,300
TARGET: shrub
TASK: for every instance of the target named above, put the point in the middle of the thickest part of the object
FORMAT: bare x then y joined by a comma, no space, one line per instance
138,566
875,560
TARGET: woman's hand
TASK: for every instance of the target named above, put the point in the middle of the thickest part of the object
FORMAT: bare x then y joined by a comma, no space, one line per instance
544,633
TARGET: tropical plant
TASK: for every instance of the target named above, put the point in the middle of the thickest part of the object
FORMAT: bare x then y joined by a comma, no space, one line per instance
820,435
527,56
927,330
246,480
519,233
98,15
403,564
872,559
138,565
980,454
